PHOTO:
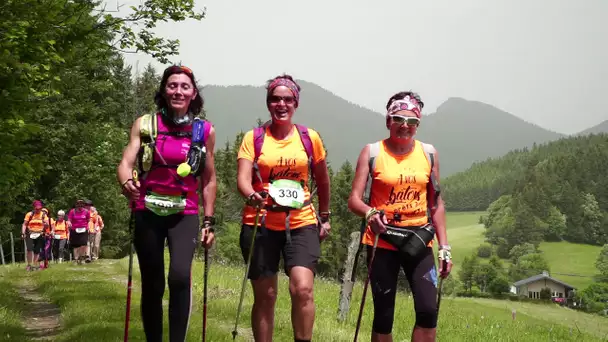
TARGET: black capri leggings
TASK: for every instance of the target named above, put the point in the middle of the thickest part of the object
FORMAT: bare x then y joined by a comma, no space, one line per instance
422,277
181,231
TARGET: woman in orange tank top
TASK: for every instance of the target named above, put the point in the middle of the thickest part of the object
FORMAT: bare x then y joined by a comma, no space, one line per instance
289,156
403,173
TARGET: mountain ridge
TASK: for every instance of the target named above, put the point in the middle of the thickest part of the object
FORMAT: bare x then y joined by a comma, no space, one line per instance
601,127
456,128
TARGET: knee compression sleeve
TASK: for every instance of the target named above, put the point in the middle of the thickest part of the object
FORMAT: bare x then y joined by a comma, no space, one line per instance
426,319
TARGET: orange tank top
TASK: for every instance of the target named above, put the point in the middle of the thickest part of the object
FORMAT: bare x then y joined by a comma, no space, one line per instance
36,221
61,228
399,186
93,222
282,159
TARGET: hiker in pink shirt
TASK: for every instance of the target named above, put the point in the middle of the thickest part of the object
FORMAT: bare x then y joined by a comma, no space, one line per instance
78,219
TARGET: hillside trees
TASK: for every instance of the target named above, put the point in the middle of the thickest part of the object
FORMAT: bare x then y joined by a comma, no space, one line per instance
552,192
66,99
594,298
489,277
492,276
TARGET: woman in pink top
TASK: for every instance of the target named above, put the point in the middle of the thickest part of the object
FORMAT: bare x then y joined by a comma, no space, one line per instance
78,219
166,203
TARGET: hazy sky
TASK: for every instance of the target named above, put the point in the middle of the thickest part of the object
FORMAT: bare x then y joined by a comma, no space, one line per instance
544,61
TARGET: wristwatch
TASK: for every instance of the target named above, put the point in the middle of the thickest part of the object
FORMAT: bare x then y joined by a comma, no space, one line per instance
325,216
209,222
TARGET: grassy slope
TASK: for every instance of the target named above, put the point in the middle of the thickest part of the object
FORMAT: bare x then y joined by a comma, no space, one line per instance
572,258
465,234
92,300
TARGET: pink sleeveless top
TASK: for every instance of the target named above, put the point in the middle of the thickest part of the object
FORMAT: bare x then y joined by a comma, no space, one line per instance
79,218
164,180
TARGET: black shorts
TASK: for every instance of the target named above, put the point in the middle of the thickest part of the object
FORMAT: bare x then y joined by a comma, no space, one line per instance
304,250
422,277
78,239
34,245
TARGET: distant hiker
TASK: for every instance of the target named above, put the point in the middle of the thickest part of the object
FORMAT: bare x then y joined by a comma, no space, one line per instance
278,159
172,140
32,230
404,186
94,228
61,235
79,218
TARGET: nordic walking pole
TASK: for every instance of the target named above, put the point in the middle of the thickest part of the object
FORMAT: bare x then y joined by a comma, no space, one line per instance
205,274
129,283
445,265
369,273
238,312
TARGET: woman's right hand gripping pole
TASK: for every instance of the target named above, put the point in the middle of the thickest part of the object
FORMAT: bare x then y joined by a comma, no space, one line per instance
376,220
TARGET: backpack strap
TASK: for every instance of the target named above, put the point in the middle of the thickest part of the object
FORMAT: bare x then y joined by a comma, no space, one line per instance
374,151
429,152
148,131
27,225
307,142
258,140
148,127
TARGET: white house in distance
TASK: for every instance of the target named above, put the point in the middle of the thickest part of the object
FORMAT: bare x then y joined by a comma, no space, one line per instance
531,287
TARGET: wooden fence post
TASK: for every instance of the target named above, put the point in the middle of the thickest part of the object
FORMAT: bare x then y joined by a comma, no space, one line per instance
347,283
12,247
1,252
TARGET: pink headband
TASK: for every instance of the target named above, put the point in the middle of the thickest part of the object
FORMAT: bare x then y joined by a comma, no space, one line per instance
408,103
287,83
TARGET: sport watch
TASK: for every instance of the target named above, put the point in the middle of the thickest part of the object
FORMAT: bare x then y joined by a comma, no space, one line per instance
209,222
325,216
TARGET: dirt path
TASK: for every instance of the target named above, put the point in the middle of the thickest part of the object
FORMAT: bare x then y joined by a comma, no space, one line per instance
42,319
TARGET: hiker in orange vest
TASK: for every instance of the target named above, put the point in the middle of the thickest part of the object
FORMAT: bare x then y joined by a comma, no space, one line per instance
61,234
32,230
95,227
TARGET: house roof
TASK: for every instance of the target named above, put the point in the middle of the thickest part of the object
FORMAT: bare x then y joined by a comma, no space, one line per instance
539,277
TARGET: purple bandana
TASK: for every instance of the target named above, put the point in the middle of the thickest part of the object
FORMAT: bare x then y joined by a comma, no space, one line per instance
287,83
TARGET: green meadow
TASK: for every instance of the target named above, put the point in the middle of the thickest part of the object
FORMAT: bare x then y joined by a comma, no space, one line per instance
91,299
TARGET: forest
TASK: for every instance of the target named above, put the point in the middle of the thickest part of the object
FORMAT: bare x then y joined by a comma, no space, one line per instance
551,192
67,101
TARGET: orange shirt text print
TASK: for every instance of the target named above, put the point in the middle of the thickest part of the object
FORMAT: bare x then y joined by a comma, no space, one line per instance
399,188
282,159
